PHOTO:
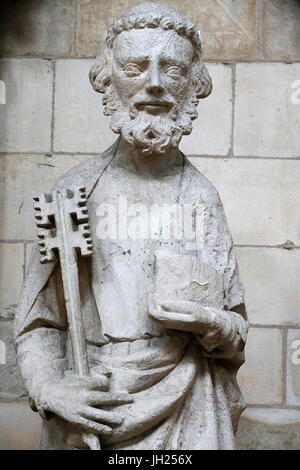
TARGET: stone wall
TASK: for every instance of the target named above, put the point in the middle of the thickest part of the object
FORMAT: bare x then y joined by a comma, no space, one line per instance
246,140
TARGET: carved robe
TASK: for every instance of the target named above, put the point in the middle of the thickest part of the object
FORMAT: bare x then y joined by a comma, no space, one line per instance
185,392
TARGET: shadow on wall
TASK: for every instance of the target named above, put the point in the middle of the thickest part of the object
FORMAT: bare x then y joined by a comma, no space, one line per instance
16,25
16,29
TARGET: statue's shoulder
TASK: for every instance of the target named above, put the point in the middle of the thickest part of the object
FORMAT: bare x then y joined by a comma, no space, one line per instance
87,172
199,187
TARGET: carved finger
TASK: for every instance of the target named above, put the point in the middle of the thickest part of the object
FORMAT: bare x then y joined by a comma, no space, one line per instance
176,321
180,306
99,428
117,398
167,316
102,415
99,383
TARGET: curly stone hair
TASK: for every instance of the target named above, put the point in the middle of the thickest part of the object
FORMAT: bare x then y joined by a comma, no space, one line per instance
151,15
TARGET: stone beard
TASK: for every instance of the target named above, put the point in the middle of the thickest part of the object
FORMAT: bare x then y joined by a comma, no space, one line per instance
152,133
164,324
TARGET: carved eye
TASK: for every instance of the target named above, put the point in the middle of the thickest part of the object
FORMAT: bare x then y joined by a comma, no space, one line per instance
175,72
132,70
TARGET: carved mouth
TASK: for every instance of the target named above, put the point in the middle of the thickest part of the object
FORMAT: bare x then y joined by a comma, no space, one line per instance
154,105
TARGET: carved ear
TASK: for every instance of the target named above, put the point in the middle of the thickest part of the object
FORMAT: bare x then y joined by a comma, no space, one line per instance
201,80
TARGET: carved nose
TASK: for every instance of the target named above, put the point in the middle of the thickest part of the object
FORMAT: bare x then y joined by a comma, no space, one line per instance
154,87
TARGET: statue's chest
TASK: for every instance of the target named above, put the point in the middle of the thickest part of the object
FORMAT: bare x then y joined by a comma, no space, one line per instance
128,207
131,222
137,189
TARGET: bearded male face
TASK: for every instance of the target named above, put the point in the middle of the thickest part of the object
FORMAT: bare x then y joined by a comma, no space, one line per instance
152,77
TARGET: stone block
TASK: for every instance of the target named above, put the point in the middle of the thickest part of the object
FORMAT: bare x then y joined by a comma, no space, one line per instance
269,429
11,384
37,27
79,123
25,119
267,118
20,427
228,27
260,197
271,279
260,378
214,113
280,29
11,277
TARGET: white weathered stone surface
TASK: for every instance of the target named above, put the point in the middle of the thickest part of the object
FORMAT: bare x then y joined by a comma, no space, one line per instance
271,278
293,367
269,429
260,196
11,277
267,123
79,123
25,119
24,176
260,378
20,428
28,248
214,113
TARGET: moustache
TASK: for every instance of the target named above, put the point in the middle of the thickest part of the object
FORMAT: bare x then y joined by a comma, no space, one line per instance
154,106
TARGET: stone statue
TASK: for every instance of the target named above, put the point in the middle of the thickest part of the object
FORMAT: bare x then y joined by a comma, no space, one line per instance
161,300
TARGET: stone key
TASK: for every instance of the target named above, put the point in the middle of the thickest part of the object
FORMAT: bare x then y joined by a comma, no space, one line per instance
62,219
